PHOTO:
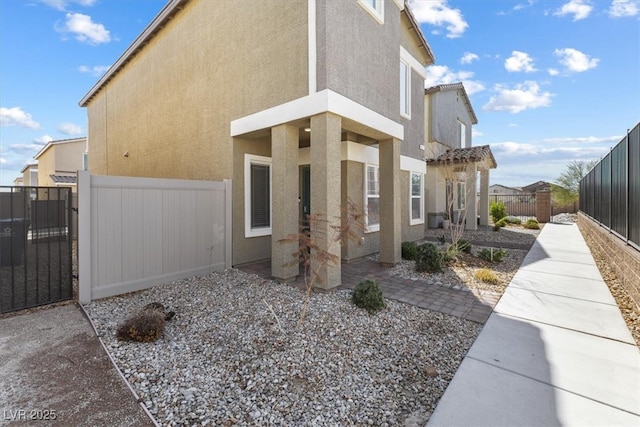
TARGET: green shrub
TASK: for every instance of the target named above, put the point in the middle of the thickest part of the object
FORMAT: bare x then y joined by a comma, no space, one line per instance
492,255
497,211
513,220
409,250
429,258
451,253
487,276
496,227
464,246
532,224
368,295
501,223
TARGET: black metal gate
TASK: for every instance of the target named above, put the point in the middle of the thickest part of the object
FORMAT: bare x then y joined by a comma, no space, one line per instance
36,246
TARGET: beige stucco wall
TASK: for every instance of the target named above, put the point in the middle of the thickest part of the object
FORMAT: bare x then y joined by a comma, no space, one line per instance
171,106
60,158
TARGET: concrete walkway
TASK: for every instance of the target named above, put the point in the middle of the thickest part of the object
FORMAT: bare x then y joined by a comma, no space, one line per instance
555,352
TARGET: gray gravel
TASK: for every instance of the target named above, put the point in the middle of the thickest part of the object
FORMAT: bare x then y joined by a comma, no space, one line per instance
226,359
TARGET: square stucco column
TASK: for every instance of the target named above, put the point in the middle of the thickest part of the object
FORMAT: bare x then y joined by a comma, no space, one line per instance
471,216
390,225
326,155
284,201
484,197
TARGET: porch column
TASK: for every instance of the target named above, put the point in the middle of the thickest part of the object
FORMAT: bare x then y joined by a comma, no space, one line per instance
284,201
326,156
484,197
472,198
390,225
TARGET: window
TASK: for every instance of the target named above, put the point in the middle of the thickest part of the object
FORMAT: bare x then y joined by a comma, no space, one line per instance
375,8
372,202
462,130
257,188
462,195
405,89
416,207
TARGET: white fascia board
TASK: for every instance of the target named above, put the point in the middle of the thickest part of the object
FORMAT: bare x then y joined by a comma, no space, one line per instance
325,101
399,3
411,61
413,165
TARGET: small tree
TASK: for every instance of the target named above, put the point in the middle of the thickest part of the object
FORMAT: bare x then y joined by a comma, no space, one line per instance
567,185
454,173
312,256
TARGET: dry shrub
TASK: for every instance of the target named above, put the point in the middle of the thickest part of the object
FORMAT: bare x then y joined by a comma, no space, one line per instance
146,325
487,276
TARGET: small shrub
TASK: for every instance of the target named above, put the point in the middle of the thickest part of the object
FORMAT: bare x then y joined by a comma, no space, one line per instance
464,246
487,276
532,224
368,295
501,223
429,258
513,220
409,250
496,227
451,253
497,211
492,255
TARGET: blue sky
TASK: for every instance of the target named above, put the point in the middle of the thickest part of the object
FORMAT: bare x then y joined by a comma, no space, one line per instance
551,81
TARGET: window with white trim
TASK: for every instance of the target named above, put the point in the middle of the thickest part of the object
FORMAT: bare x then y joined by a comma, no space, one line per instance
405,89
257,190
462,195
462,130
375,8
372,193
416,199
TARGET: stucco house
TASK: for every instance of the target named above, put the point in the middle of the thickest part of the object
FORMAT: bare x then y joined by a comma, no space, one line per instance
30,175
454,163
303,104
499,189
59,161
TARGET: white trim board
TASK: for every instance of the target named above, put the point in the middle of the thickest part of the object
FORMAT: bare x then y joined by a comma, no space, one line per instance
325,101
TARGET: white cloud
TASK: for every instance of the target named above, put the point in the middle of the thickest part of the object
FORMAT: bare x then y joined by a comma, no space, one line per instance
519,61
468,58
16,117
62,4
575,61
553,72
580,9
624,8
439,14
585,140
441,74
96,70
70,129
85,30
44,139
522,97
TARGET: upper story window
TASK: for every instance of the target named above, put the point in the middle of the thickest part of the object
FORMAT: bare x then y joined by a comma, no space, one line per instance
462,131
375,8
405,89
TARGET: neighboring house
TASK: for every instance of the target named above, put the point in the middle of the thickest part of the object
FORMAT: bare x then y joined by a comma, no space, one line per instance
59,161
498,189
453,163
303,104
30,175
537,186
18,182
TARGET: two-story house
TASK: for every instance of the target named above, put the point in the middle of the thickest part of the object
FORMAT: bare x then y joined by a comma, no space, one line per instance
59,161
303,104
454,164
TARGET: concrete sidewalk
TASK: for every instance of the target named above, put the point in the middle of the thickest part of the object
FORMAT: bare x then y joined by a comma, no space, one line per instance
555,352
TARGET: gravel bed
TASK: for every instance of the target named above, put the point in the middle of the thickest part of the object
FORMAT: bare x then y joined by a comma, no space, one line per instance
234,356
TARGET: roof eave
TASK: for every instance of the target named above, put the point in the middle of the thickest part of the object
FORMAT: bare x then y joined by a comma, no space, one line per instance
412,19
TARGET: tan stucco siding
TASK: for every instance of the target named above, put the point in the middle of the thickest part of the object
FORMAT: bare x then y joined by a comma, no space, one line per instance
170,107
69,156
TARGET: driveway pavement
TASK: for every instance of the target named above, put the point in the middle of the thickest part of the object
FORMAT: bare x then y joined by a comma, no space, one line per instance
54,371
555,351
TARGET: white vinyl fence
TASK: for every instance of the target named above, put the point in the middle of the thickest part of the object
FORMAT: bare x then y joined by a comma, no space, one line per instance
135,233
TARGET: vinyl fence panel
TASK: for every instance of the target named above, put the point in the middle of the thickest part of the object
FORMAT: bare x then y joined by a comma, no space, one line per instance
139,232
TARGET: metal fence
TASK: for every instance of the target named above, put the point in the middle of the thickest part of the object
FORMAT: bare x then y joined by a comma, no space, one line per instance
519,205
36,259
610,192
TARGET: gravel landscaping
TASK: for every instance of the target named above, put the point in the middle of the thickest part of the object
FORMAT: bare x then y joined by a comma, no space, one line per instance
233,355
